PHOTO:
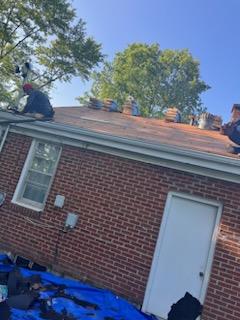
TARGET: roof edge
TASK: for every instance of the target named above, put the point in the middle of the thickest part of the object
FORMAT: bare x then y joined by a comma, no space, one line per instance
197,162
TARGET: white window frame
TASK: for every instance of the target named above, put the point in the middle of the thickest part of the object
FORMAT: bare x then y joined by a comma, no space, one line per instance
3,138
17,198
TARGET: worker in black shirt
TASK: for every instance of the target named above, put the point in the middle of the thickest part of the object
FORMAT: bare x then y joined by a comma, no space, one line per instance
38,104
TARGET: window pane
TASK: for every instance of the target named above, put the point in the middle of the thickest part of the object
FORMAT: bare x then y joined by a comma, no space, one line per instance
39,178
39,173
47,151
42,165
34,193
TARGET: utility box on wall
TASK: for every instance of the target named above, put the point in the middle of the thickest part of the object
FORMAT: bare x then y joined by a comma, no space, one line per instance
71,220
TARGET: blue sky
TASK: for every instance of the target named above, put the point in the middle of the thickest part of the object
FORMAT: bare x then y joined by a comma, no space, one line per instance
208,28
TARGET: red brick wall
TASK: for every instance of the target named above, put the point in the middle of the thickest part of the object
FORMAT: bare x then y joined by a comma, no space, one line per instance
120,204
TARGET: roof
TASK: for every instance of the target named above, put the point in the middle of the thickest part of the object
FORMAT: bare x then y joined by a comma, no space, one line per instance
171,145
144,129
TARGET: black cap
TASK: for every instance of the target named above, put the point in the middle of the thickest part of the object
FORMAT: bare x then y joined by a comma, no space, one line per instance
236,106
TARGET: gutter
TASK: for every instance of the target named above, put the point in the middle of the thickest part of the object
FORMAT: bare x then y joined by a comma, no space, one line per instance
196,162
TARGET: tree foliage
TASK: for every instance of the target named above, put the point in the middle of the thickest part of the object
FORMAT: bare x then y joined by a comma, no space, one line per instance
156,78
48,34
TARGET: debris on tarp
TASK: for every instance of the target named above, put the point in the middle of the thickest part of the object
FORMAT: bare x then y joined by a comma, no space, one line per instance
36,295
26,263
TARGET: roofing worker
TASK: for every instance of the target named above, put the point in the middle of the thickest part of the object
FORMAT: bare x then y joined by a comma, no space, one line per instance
232,130
235,113
38,104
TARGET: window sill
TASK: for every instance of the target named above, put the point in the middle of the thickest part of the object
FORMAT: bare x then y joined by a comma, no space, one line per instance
28,206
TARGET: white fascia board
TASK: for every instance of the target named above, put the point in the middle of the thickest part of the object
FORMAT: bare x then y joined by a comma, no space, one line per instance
203,163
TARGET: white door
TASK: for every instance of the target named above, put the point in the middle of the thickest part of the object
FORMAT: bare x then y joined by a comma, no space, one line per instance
183,253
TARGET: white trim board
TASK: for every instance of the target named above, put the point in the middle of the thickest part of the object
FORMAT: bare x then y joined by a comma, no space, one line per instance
4,138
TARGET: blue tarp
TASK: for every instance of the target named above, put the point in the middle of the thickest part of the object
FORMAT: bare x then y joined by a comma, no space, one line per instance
108,305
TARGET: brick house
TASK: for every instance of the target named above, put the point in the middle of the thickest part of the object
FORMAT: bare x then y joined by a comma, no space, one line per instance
157,206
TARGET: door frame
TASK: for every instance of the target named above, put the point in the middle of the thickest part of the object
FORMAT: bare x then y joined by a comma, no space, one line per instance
161,235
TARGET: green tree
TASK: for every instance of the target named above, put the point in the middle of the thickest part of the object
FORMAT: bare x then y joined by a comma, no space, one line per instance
181,85
156,79
48,34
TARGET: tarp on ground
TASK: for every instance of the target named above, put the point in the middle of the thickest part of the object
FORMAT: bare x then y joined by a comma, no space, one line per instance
98,304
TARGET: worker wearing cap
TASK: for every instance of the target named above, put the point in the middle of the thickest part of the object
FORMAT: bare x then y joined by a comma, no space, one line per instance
232,130
38,104
235,113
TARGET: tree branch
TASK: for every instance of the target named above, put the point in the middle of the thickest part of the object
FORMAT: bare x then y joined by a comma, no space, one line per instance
14,30
19,42
5,28
51,80
39,75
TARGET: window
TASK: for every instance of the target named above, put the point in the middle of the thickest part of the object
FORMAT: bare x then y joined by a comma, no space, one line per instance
3,135
37,175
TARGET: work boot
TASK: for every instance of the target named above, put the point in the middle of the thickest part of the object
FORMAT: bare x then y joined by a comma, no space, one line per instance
232,149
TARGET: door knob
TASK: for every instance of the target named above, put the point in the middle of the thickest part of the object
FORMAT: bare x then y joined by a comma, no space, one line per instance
201,274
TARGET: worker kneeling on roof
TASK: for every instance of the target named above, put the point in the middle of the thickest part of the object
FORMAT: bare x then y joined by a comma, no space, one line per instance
38,104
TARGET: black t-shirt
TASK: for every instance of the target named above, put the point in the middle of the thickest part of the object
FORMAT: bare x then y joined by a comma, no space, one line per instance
235,133
38,102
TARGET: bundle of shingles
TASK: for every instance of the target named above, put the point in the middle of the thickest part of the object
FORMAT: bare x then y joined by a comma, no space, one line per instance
171,114
127,107
107,104
210,121
217,122
95,103
110,105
